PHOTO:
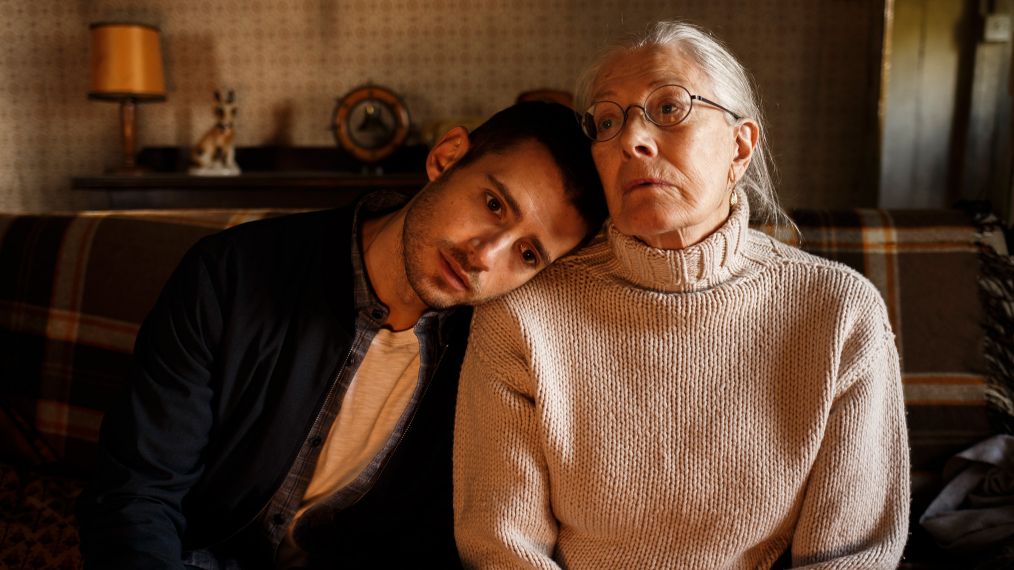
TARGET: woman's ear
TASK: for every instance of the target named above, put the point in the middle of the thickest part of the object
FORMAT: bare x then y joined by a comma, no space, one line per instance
448,150
747,133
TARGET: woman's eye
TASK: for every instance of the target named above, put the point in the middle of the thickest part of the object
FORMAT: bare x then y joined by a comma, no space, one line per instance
529,256
493,203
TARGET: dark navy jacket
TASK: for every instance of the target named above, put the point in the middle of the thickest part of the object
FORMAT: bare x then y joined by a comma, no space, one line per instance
230,369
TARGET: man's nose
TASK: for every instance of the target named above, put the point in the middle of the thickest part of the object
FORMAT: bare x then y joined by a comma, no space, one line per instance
637,139
484,249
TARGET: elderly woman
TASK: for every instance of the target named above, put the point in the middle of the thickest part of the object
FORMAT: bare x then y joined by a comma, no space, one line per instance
685,392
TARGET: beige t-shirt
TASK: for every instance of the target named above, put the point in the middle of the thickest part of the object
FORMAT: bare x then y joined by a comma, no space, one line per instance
374,402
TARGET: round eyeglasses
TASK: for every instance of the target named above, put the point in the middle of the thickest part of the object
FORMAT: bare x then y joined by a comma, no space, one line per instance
666,106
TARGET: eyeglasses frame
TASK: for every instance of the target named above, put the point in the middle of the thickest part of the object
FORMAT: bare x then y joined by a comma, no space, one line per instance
644,111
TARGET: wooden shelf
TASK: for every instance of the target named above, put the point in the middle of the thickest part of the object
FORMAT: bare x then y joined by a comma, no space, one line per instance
254,190
276,184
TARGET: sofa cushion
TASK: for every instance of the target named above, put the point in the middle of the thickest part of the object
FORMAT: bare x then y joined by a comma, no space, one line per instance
74,289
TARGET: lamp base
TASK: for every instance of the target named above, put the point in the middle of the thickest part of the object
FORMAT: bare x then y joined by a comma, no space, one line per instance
128,126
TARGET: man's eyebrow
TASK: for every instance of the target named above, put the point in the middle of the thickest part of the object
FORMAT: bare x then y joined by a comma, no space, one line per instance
543,254
507,196
518,214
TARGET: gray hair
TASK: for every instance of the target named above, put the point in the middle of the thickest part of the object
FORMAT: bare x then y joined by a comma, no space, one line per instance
732,87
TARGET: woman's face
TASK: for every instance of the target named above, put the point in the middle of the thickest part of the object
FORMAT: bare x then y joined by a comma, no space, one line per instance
670,186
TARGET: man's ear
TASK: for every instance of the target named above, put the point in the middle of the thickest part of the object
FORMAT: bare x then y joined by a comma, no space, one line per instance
747,134
448,150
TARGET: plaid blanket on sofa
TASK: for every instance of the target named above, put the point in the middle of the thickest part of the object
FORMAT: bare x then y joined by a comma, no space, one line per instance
73,291
926,265
932,268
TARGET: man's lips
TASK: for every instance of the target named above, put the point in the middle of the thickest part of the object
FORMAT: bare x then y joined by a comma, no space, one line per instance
453,274
641,182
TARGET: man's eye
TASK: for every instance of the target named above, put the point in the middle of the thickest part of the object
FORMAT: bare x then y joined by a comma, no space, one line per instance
493,203
529,256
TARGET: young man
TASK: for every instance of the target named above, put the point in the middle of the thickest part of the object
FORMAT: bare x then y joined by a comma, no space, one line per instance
292,399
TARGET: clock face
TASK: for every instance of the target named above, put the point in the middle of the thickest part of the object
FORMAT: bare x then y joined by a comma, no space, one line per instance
371,122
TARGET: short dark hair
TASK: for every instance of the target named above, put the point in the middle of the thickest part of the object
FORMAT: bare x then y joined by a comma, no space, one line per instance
556,128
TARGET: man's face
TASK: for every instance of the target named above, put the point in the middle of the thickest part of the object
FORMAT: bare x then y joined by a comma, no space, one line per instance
486,228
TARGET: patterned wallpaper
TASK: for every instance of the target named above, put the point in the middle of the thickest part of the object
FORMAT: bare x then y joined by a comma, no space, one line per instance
817,64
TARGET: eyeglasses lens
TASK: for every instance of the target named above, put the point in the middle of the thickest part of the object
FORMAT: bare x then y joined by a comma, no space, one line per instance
666,106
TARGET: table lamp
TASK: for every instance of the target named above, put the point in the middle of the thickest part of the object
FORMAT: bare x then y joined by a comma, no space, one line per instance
126,66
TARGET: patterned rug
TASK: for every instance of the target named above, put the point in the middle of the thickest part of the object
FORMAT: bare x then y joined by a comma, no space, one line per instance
38,529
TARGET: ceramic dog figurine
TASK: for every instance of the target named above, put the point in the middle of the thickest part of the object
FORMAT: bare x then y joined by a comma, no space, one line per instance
215,153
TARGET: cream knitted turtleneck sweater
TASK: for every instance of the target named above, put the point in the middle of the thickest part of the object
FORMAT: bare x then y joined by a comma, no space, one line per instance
702,408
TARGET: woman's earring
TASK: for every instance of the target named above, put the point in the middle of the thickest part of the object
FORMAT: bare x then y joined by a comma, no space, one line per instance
733,199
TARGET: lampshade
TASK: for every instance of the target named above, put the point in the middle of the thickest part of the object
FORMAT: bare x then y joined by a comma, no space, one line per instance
126,63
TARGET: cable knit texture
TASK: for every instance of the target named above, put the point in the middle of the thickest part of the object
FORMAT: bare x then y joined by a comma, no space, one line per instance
708,407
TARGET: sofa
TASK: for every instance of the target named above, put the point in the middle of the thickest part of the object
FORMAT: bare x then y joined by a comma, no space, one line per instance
74,288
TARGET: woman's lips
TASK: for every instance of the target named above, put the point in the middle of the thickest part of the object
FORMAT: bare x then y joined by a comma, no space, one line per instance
643,182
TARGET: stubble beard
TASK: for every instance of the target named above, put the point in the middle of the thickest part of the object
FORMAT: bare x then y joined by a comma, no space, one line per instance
416,239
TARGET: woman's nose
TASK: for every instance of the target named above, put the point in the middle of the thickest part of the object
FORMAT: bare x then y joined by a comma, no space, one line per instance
638,136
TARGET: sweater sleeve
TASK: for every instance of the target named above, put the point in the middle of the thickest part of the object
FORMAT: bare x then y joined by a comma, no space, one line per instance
503,515
151,441
856,505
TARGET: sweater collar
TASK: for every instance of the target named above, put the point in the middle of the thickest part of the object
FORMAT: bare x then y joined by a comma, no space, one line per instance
717,258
